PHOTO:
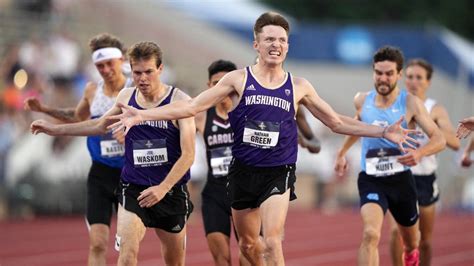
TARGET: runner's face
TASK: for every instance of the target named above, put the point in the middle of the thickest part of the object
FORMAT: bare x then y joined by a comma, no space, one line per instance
227,102
111,69
146,75
386,77
416,79
272,44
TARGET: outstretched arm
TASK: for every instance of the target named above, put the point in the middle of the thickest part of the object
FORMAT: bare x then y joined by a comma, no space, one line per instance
350,126
85,128
66,115
182,108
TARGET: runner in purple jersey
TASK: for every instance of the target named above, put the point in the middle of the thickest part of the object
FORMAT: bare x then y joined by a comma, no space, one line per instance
263,119
158,155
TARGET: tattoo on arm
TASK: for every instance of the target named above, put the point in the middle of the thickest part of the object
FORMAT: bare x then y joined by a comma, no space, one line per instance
65,115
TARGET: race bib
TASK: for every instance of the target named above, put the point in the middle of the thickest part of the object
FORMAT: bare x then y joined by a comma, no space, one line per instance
220,161
261,134
110,147
148,153
383,162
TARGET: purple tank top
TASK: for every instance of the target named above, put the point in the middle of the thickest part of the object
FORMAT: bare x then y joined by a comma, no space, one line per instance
264,124
151,149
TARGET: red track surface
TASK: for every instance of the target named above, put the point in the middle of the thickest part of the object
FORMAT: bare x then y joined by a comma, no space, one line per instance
311,239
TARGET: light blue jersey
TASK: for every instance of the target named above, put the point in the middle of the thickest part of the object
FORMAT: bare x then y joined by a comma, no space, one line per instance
379,156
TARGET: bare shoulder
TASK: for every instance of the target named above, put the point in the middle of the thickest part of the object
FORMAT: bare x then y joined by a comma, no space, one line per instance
89,90
301,82
359,98
438,110
125,94
413,102
179,95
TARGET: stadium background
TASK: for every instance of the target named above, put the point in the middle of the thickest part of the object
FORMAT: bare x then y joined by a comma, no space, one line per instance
44,53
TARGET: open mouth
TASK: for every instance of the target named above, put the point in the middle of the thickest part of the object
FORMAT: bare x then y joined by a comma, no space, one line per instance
275,53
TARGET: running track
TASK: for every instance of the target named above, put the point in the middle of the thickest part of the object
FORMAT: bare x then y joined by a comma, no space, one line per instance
311,239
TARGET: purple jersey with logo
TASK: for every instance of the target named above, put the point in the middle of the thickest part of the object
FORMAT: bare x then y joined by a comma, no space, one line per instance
264,124
151,149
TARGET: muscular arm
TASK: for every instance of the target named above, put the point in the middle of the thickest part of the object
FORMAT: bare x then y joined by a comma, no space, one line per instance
441,118
85,128
187,108
337,123
437,142
187,131
66,115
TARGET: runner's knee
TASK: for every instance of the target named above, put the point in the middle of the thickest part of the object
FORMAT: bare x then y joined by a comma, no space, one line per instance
371,236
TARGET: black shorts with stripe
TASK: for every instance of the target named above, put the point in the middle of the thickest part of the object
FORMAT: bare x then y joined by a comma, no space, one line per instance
170,213
427,188
250,186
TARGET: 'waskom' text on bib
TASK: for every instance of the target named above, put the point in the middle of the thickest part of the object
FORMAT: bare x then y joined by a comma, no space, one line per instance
150,152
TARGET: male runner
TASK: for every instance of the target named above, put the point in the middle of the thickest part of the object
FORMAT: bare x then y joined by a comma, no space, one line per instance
385,181
106,152
158,155
265,99
418,75
215,127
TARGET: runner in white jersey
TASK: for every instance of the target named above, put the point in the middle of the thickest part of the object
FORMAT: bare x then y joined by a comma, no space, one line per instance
106,150
418,75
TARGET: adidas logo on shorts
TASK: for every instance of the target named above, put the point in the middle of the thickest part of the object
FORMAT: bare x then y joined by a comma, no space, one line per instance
275,190
177,228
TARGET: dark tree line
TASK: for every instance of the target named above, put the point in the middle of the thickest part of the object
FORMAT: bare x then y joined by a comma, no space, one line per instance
456,15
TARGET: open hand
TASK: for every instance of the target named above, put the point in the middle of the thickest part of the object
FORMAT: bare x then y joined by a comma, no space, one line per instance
465,127
42,126
127,119
400,136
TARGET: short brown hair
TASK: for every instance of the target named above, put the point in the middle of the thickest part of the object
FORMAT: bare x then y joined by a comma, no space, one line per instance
389,53
270,18
145,51
105,40
424,64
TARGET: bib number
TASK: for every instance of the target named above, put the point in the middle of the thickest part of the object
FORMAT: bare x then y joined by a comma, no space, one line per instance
383,162
110,147
220,161
261,134
147,153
